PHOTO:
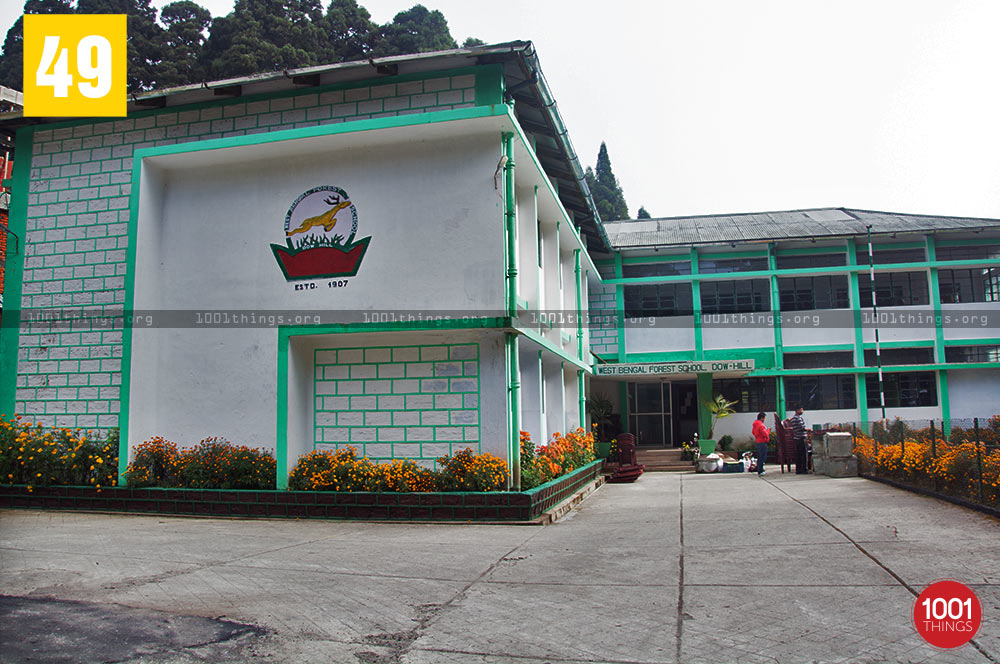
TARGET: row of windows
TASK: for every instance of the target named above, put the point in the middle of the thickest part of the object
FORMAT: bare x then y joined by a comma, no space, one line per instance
889,357
901,389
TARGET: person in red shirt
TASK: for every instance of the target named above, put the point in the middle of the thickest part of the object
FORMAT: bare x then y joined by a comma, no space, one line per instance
761,435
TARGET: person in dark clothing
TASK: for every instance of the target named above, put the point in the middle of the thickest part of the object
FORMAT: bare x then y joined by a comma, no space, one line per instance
761,436
797,424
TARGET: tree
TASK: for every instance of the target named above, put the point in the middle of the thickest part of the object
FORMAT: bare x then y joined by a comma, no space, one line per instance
186,24
416,30
264,36
12,59
604,187
471,42
145,37
642,214
349,30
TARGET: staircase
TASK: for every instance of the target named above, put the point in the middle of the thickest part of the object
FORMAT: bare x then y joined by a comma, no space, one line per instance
663,460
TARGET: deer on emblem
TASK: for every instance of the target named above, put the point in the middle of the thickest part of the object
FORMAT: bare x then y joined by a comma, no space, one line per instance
327,220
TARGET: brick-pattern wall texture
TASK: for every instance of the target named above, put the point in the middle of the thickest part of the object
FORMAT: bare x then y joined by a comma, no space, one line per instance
603,318
417,402
77,228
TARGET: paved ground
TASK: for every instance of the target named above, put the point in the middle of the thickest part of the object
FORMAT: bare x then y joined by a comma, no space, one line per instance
674,568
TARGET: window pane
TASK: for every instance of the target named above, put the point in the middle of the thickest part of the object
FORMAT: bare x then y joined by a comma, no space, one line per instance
814,260
665,269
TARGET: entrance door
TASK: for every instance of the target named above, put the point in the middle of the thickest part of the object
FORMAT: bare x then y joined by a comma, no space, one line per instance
649,413
685,409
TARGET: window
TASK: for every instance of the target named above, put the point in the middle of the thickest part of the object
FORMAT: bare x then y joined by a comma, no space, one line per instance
894,289
656,269
803,293
903,390
891,356
972,354
978,284
819,360
733,297
538,226
711,266
813,260
885,256
751,394
662,300
820,392
974,252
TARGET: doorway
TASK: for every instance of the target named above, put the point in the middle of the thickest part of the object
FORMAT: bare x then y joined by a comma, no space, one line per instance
649,414
684,405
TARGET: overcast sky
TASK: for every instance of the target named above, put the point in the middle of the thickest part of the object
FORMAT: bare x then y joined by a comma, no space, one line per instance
750,105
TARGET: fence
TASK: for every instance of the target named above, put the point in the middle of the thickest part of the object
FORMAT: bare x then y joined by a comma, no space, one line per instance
959,458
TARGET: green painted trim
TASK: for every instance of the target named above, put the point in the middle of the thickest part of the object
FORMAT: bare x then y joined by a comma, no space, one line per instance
861,392
921,343
392,122
620,305
809,251
781,397
551,483
514,401
715,256
993,341
859,335
661,356
890,247
534,336
968,241
895,368
262,96
818,348
489,85
281,438
779,359
792,272
397,326
704,387
510,226
582,393
658,258
935,296
626,416
17,222
763,356
945,401
699,336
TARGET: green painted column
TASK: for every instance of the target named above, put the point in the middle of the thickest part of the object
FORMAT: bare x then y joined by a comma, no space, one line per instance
581,387
510,225
772,265
699,343
936,302
945,404
514,404
620,307
704,416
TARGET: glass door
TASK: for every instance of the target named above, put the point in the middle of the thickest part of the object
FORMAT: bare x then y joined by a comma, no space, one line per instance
649,413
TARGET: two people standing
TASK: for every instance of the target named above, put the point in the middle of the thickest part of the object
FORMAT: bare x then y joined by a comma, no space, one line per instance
797,427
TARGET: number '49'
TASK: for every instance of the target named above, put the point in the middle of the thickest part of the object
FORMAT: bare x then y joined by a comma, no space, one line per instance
93,63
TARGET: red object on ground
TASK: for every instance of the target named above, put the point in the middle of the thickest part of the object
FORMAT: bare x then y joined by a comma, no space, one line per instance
628,470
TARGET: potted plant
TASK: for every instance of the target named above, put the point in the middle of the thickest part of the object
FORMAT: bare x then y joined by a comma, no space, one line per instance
600,408
720,407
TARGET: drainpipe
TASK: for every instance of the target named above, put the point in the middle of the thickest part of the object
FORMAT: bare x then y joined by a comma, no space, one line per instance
580,383
510,338
510,219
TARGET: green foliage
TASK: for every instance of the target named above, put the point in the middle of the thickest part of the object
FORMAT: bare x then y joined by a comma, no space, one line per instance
33,455
600,408
12,59
642,214
725,443
471,42
257,36
719,407
217,464
604,187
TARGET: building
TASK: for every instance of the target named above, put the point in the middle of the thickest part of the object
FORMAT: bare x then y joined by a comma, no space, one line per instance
775,309
399,255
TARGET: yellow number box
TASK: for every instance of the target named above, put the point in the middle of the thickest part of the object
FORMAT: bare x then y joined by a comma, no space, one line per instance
74,65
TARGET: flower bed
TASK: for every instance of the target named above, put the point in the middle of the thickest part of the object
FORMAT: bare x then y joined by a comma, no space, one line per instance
961,468
36,457
504,506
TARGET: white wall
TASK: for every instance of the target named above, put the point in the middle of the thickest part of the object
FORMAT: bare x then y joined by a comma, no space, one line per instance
894,325
660,335
970,321
974,392
203,243
816,328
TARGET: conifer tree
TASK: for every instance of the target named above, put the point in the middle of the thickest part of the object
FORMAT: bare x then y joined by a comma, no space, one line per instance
604,187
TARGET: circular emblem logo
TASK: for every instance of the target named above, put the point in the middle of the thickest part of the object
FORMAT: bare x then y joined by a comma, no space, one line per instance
320,236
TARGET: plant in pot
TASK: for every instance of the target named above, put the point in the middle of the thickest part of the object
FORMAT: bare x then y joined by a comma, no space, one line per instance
600,408
719,407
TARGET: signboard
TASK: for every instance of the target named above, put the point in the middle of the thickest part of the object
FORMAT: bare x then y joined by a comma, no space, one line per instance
673,368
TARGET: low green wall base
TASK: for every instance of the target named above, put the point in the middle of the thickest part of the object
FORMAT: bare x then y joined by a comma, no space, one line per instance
444,506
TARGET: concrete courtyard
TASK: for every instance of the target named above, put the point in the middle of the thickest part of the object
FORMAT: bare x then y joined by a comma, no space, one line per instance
673,568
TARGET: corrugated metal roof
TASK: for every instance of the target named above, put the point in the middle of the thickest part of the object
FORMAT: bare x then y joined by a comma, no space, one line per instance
782,225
